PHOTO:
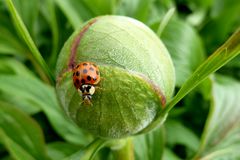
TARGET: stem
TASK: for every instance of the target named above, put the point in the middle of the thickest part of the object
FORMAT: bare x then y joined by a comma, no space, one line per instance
229,50
225,53
126,152
89,152
38,68
165,21
21,28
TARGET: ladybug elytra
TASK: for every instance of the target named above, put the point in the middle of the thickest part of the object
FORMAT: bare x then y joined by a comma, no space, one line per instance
86,76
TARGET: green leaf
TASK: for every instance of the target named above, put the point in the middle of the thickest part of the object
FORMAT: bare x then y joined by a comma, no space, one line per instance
28,11
169,155
10,66
16,151
158,10
150,146
232,68
10,44
199,11
102,7
60,150
177,133
229,50
88,152
224,18
185,47
165,21
221,134
34,92
15,86
75,12
48,10
235,63
138,9
20,132
21,28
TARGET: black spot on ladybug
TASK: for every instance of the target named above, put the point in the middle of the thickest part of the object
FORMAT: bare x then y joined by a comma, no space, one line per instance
89,78
88,88
77,66
97,72
77,73
73,73
85,71
77,81
92,69
85,64
83,81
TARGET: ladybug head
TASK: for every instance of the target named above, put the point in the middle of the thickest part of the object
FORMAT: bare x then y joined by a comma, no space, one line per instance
87,92
87,89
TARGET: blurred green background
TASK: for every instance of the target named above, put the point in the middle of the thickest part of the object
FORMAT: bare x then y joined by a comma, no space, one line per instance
205,124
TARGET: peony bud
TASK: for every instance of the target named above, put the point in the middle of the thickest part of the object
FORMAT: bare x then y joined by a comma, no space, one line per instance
137,76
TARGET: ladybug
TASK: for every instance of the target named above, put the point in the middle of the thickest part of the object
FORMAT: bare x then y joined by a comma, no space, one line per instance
86,76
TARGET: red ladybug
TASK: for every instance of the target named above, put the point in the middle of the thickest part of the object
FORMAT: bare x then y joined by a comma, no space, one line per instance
86,76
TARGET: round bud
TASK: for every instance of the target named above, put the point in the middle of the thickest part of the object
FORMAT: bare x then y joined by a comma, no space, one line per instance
137,76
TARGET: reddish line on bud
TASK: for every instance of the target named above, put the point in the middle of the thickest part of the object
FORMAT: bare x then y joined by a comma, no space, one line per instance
76,43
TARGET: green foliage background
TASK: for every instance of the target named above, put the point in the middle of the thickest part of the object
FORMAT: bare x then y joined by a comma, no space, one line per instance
205,124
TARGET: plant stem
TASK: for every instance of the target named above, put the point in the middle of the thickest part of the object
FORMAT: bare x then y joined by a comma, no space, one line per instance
225,53
165,21
126,152
229,50
89,152
21,28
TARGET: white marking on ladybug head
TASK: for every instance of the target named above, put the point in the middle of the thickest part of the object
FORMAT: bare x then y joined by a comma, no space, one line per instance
92,90
87,89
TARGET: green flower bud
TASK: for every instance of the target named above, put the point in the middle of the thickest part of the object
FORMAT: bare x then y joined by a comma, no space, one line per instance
137,76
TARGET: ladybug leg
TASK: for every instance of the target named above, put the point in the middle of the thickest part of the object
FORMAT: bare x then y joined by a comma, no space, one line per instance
99,88
102,79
